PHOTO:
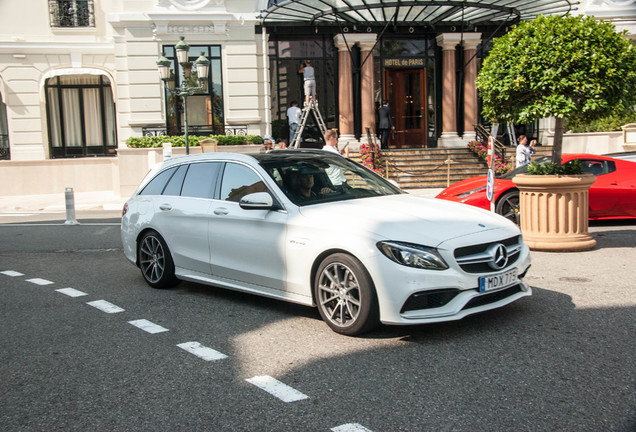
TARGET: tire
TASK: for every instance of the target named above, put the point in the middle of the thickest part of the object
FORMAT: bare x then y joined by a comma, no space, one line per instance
155,261
345,295
508,206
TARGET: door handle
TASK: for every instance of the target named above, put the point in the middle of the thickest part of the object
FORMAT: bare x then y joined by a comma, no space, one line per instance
221,211
165,207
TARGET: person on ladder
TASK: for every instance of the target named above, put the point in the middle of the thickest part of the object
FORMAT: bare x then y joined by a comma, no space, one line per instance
309,76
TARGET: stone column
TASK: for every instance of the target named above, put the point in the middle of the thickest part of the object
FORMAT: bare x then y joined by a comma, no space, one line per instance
345,91
449,138
367,93
470,43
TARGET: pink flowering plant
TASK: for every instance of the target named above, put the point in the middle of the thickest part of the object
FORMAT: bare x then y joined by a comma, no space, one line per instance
371,157
481,149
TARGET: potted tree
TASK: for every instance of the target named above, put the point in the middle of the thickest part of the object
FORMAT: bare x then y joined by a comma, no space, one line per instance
563,67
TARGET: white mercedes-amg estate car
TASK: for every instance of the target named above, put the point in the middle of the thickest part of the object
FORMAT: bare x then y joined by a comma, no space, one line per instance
312,227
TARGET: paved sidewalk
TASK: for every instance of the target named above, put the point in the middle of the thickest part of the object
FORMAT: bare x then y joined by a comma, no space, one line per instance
104,200
56,203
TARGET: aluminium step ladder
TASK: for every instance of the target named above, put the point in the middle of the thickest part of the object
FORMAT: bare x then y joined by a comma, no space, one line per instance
311,108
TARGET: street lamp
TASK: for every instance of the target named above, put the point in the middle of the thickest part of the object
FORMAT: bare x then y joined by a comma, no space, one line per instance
202,66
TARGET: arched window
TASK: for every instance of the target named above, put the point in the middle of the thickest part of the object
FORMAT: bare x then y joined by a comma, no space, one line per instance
81,116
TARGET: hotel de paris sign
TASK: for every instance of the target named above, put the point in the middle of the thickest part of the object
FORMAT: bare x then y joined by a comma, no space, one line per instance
404,63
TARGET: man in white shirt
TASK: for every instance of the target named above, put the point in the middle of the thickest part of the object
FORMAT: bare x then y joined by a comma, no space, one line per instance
293,118
335,173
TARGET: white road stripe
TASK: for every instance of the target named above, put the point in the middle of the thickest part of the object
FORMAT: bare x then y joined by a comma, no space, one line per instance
207,354
350,427
277,388
11,273
39,281
71,292
105,306
148,326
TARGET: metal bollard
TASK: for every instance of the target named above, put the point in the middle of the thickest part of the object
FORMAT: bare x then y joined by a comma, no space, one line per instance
70,207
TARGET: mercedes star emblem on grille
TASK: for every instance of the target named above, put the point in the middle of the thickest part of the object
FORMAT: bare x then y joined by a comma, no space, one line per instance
499,255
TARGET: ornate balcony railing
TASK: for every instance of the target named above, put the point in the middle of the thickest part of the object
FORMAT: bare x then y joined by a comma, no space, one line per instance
71,13
201,130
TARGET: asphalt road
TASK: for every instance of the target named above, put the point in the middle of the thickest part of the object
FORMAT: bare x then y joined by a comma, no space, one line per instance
563,359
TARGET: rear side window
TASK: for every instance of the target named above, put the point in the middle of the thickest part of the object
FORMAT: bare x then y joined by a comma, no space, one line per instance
238,181
174,185
158,183
199,180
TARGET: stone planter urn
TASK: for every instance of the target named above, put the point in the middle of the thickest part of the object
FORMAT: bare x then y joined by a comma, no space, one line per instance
554,211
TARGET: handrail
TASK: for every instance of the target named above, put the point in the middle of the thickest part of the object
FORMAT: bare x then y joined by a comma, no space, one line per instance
482,133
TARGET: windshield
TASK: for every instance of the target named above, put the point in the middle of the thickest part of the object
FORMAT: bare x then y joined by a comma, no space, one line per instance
311,177
524,168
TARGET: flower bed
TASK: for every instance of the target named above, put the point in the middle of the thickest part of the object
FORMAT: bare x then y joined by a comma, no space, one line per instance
481,149
371,157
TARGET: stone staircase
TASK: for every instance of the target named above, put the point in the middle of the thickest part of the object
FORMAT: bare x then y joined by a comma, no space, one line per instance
428,167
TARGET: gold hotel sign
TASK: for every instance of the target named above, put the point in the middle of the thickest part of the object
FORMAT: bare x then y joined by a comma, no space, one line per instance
404,63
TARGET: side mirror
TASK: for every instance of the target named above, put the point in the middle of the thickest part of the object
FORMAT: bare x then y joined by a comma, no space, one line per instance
257,201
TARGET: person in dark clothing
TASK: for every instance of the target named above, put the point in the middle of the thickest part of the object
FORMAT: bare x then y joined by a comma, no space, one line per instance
385,124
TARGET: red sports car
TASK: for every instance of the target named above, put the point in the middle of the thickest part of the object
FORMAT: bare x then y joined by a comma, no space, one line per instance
612,195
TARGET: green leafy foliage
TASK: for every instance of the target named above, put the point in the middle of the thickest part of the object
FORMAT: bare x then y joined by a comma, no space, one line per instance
179,140
604,124
569,168
567,67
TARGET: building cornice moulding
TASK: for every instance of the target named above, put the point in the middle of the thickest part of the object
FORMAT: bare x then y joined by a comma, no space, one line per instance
55,48
131,19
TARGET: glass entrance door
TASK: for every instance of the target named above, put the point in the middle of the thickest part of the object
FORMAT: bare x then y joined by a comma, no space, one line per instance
406,93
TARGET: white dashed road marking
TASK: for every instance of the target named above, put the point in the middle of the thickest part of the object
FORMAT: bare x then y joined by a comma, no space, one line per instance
207,354
272,386
105,306
148,326
12,273
71,292
277,388
350,427
39,281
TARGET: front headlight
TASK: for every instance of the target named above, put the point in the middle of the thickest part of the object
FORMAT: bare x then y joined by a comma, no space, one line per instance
412,255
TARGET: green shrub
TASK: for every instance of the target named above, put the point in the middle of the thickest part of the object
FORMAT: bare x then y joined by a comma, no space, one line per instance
605,124
569,168
179,140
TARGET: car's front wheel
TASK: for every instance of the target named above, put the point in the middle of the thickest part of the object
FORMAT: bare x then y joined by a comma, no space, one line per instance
155,261
345,295
508,206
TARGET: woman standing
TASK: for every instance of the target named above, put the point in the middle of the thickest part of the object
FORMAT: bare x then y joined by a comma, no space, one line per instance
523,152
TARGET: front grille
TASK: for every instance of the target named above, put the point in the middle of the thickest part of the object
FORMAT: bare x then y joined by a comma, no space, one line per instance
493,297
476,259
429,299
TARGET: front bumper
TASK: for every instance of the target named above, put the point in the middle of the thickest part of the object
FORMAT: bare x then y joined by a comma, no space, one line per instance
415,296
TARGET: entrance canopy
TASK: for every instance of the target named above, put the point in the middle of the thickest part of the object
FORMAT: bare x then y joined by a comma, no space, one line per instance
366,14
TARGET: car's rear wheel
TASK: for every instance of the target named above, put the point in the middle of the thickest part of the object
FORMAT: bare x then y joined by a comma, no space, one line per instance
155,261
345,295
508,206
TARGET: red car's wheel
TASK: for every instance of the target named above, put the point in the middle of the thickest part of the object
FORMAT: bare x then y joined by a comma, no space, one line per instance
508,206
